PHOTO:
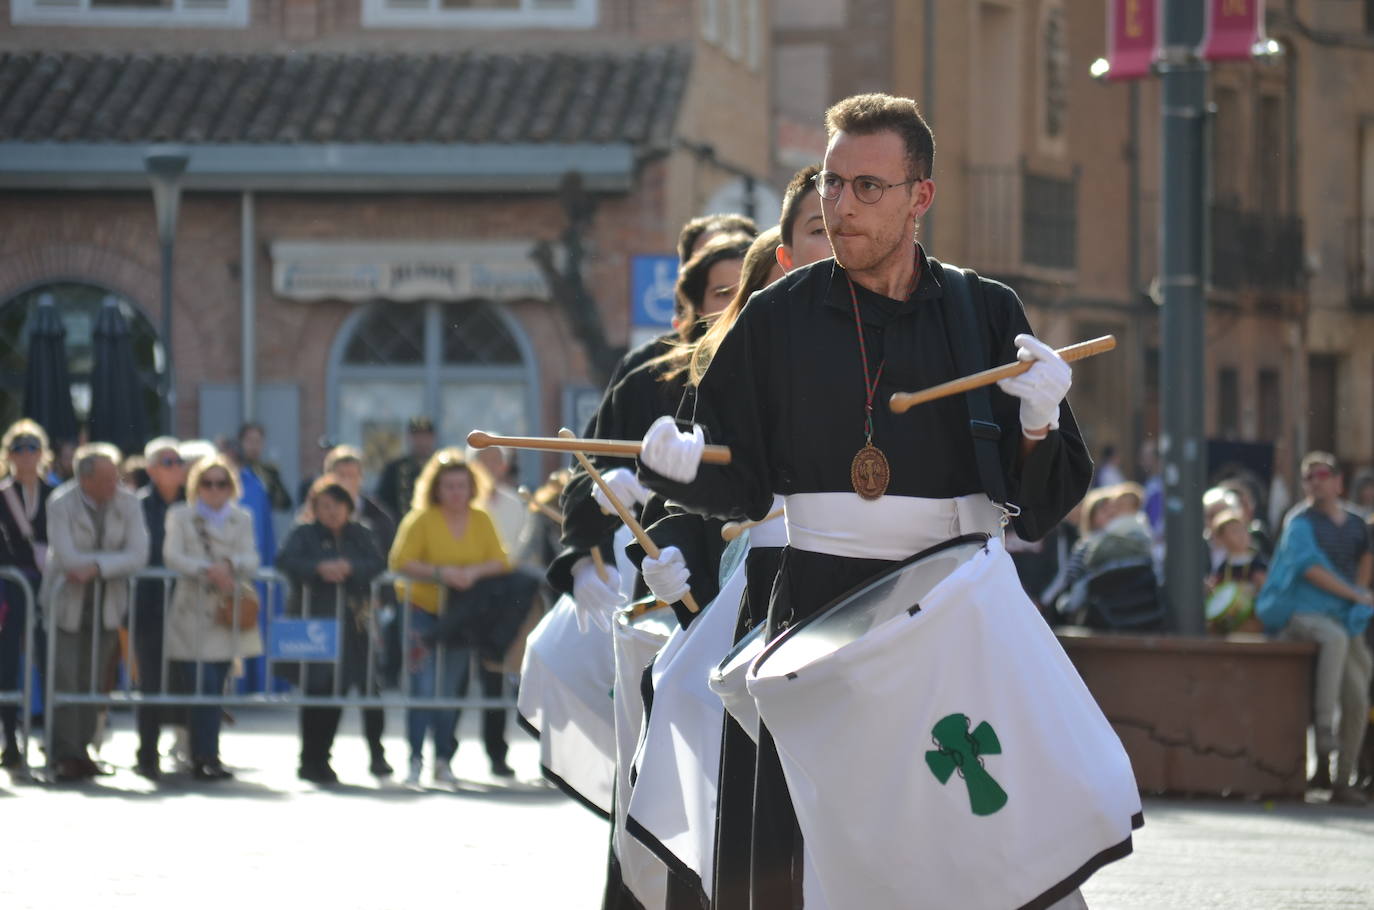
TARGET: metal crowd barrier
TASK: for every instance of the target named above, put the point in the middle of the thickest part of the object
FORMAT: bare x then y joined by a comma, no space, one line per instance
289,641
22,698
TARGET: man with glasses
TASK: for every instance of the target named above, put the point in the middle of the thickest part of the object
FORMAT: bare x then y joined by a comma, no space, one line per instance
166,487
798,391
1318,590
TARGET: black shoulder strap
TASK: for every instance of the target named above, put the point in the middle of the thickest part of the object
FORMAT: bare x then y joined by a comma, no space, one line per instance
967,341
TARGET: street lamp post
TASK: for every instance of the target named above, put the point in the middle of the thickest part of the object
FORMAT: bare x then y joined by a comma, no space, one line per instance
165,165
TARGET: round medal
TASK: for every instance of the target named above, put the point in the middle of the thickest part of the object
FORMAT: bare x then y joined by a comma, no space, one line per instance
869,472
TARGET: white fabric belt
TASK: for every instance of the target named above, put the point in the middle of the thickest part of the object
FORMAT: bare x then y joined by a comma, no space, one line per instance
772,533
893,527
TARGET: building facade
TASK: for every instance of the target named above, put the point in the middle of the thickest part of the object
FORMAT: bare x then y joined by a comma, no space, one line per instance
366,181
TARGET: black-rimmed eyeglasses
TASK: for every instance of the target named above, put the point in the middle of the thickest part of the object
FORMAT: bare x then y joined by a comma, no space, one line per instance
866,189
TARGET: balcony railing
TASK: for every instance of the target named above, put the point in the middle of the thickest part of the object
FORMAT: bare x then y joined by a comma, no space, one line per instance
1020,220
1256,251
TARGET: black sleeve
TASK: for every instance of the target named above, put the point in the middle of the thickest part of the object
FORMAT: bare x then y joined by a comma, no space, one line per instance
366,556
702,547
1054,477
298,555
729,410
388,487
276,490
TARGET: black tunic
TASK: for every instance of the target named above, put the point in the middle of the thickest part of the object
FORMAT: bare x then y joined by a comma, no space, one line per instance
785,393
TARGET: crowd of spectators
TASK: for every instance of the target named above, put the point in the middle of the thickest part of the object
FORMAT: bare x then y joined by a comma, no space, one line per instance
204,512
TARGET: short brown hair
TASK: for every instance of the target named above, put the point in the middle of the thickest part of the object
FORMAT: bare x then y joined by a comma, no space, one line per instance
711,224
864,115
802,182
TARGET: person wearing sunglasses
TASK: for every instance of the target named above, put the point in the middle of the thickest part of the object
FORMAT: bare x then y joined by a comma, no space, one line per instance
165,488
210,544
23,545
1318,590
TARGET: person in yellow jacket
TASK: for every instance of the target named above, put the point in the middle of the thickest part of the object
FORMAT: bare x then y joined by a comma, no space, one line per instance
444,542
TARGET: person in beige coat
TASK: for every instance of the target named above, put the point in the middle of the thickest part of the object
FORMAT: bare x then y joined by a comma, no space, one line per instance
96,540
210,546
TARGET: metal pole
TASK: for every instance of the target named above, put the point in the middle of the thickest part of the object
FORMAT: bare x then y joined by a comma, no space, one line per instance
169,411
248,304
1181,271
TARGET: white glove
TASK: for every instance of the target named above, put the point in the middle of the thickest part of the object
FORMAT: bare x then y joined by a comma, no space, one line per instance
667,576
673,454
1040,388
624,485
596,600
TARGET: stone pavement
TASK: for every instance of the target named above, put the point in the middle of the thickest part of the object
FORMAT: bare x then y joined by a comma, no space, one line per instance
267,840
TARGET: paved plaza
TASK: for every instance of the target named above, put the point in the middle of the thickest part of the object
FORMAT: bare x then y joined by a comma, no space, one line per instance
267,840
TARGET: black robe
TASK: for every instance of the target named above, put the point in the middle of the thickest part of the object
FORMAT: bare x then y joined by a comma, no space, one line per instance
785,391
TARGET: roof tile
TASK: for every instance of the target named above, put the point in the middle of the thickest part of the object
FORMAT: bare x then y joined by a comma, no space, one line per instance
473,96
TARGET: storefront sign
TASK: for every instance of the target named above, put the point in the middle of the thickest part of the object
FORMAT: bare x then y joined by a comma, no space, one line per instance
404,271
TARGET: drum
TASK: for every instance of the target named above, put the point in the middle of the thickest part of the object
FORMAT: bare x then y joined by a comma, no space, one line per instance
638,634
727,680
564,701
940,748
672,807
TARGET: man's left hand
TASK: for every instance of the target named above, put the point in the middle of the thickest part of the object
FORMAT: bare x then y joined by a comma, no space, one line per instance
1041,388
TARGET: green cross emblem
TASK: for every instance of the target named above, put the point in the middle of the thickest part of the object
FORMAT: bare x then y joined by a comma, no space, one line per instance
962,751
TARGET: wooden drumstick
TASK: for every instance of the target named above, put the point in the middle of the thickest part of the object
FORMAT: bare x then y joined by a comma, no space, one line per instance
650,548
901,402
625,448
534,505
732,529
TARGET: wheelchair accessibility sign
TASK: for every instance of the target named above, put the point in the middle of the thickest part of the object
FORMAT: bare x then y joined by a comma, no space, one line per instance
651,291
304,639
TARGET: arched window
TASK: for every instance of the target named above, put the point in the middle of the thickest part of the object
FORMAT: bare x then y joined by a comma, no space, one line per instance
467,365
78,304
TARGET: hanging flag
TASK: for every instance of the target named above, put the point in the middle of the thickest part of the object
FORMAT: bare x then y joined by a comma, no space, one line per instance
1234,27
1132,38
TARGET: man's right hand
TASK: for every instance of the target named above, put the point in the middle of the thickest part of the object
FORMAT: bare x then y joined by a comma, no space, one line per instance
674,454
596,600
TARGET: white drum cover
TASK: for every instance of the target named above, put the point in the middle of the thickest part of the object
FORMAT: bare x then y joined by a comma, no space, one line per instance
673,805
950,756
565,698
637,640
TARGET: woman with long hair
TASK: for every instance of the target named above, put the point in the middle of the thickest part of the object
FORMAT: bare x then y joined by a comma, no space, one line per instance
445,542
23,546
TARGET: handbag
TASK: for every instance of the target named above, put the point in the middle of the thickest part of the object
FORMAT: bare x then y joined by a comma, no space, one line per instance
243,599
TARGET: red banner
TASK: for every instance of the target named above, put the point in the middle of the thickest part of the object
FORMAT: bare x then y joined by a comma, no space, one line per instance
1132,37
1234,27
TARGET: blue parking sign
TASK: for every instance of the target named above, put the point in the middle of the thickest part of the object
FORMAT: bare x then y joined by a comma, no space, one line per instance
651,291
303,639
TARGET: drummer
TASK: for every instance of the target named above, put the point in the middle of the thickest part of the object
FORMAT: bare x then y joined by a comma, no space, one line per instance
644,394
798,390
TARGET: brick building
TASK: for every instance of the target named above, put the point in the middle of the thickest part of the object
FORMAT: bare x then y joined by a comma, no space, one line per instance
365,183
